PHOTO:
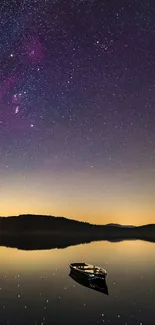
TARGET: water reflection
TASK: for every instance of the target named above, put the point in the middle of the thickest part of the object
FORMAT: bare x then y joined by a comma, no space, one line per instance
35,286
97,284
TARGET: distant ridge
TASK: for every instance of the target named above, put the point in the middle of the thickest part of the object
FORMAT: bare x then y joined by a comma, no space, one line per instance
30,231
35,217
118,225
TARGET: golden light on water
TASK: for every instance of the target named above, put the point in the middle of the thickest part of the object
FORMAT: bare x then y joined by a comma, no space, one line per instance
108,253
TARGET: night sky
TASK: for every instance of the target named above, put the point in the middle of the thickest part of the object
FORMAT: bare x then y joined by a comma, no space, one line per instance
77,109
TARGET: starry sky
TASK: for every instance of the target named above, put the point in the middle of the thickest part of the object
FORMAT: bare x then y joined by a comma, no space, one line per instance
77,109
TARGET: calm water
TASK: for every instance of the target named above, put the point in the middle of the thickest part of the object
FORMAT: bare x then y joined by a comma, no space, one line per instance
35,287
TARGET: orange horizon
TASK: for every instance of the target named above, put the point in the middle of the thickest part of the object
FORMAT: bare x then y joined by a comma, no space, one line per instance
94,197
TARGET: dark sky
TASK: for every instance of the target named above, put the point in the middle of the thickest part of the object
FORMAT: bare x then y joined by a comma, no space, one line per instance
77,116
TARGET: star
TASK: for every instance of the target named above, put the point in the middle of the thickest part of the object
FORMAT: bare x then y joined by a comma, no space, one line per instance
17,110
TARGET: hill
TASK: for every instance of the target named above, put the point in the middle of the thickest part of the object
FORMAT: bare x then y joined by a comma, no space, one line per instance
40,232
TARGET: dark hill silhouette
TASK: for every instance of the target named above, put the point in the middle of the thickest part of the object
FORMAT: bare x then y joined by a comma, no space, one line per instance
118,225
35,223
45,232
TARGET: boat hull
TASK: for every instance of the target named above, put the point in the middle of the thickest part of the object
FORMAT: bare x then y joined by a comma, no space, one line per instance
94,284
86,274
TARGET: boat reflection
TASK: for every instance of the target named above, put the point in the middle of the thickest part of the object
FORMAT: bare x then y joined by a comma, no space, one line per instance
95,284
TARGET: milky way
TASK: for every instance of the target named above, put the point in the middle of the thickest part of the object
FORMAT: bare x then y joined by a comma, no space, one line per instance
77,86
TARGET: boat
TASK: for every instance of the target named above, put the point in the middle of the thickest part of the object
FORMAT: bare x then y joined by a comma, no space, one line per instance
96,284
88,270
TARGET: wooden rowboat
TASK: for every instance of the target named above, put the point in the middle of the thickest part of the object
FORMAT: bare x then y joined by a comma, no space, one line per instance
88,270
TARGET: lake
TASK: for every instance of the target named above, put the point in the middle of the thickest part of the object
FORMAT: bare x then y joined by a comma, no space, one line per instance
35,287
